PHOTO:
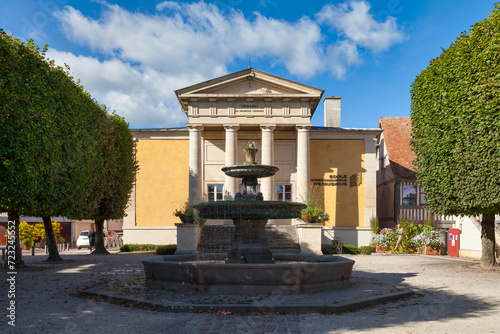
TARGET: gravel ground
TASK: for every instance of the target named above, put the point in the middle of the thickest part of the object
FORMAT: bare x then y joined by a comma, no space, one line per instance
456,297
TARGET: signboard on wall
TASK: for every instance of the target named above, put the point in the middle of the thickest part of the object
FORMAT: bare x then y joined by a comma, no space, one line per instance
338,180
249,107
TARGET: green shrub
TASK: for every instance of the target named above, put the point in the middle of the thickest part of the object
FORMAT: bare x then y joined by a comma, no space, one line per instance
328,249
350,249
125,248
366,249
138,248
166,249
374,225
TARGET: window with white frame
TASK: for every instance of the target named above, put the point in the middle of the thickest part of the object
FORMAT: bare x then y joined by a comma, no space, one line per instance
215,192
284,192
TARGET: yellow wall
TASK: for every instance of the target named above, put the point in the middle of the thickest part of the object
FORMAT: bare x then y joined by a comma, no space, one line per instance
331,158
162,183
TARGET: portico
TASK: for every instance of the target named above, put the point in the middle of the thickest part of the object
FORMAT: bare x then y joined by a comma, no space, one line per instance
241,104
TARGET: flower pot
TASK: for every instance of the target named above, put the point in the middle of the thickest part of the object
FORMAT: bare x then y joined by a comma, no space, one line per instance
186,219
311,220
410,249
428,250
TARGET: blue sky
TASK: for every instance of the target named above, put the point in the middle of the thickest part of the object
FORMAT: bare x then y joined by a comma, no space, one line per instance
132,55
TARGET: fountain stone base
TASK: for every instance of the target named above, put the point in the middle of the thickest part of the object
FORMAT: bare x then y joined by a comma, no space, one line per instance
292,274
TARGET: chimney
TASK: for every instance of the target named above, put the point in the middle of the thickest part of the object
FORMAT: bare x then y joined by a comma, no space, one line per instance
332,111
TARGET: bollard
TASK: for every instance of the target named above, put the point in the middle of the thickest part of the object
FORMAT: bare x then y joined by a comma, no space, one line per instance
32,250
45,249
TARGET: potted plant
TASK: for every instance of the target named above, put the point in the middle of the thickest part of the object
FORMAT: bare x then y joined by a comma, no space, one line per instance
188,215
429,241
313,213
380,243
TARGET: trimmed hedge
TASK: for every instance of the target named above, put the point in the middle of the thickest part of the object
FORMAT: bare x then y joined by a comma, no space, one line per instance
166,250
158,249
328,249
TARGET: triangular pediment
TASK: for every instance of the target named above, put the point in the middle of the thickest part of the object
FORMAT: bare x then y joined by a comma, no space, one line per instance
248,83
250,87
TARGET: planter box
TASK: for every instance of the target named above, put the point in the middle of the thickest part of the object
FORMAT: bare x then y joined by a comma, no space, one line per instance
426,250
381,249
410,249
187,238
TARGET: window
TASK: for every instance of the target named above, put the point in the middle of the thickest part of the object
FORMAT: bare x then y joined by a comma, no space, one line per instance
412,194
215,192
409,194
423,200
284,192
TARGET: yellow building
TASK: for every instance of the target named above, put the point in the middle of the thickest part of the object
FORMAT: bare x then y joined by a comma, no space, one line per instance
335,165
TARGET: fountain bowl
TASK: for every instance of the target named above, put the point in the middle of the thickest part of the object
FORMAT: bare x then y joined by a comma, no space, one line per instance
206,274
237,210
252,170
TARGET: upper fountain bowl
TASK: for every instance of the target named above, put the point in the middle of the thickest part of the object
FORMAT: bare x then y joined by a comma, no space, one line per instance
250,170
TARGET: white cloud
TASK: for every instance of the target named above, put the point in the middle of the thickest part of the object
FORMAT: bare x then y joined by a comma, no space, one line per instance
184,43
144,97
355,23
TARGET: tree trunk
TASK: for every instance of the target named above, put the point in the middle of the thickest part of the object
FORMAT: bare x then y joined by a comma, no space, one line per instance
99,237
488,241
18,261
51,241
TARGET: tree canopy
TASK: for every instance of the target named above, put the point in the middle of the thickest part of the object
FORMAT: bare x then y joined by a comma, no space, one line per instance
60,152
455,111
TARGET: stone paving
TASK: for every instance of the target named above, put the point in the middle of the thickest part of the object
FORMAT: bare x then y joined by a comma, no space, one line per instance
364,292
456,296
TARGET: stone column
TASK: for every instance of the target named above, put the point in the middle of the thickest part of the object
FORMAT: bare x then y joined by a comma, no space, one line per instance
302,162
370,181
266,183
195,190
231,183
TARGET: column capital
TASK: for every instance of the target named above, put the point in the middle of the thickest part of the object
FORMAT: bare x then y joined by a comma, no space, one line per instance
231,126
194,126
304,127
268,127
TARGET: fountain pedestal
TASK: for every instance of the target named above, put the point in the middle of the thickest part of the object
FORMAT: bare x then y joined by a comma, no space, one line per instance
250,242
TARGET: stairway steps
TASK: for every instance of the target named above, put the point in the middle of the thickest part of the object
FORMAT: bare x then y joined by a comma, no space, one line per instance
218,238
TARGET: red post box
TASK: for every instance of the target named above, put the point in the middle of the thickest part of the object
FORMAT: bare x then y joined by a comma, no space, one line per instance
453,242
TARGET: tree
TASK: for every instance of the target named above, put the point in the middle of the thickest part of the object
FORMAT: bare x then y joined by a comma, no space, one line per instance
455,106
22,75
49,143
117,176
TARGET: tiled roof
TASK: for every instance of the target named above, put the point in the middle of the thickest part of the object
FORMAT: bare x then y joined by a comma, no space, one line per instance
397,135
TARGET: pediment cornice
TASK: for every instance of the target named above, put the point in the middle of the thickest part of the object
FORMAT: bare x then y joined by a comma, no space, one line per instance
247,84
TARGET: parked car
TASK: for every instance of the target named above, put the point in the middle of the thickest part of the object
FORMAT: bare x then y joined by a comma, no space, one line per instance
83,240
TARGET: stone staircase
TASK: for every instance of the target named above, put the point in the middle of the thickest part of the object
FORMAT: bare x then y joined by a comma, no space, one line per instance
283,239
217,239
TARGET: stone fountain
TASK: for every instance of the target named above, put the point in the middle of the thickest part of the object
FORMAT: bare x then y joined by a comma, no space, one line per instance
249,268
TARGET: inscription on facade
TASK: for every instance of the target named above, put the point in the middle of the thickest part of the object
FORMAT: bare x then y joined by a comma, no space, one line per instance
331,181
248,108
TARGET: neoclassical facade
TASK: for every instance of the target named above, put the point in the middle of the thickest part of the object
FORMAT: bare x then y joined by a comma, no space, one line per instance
178,165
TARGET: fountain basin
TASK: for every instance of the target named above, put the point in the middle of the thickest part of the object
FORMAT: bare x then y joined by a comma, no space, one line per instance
250,210
253,170
298,274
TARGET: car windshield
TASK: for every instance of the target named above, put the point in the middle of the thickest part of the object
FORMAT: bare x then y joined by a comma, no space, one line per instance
84,233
